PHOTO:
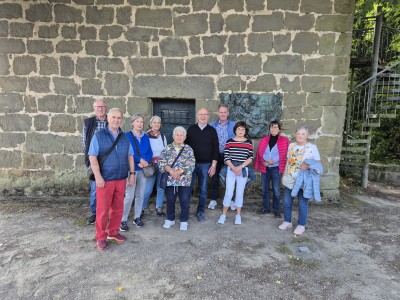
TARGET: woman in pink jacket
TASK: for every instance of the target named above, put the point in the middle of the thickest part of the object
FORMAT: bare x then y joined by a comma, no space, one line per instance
271,161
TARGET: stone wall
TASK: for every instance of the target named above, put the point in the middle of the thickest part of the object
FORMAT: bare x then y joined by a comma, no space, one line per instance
56,56
384,173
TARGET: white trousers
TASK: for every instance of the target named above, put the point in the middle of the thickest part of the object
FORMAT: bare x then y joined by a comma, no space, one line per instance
240,181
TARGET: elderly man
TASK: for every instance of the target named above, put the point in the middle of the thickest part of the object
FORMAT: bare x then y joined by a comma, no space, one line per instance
203,139
224,129
111,178
90,126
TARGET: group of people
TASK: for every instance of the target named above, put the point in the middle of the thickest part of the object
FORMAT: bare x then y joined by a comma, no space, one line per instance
126,167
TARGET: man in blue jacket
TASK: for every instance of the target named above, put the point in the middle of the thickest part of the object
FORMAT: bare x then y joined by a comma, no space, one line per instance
224,129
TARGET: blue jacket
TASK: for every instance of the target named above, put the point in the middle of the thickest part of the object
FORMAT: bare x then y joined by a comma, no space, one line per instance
309,181
231,124
144,148
116,165
251,176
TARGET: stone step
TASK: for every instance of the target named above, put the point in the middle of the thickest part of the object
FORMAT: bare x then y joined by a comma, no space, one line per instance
351,163
354,149
356,141
356,156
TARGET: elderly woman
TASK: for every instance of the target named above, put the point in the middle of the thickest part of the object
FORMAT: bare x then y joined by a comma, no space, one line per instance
178,161
238,154
158,142
298,153
271,161
143,155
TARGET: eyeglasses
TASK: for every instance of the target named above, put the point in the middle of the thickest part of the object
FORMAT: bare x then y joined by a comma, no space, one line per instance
100,107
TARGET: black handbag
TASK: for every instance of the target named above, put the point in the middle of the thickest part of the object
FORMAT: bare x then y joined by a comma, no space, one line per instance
164,176
101,160
149,170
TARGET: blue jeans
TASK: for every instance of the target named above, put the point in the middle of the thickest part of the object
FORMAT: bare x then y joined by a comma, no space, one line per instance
201,172
288,205
272,175
149,189
183,193
215,178
93,196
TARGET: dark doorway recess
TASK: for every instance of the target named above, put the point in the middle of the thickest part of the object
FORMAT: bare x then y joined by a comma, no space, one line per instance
174,112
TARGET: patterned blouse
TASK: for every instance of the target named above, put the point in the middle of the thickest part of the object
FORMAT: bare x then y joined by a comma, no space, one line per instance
186,162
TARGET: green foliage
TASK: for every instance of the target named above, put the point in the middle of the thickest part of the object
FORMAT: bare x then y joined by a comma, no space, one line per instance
386,142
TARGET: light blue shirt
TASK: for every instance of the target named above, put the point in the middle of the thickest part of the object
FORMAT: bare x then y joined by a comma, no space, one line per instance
94,144
272,154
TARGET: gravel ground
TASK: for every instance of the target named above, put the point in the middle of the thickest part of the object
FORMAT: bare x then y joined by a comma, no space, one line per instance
350,250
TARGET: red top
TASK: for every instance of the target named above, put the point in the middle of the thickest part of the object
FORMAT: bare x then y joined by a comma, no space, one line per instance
283,145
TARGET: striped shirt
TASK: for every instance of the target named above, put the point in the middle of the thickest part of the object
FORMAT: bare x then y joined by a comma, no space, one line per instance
238,151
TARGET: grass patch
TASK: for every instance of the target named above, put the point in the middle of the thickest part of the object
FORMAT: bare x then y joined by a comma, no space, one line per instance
301,240
301,263
190,243
283,249
80,222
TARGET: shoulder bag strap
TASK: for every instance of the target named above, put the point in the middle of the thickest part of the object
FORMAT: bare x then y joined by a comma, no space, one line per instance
176,158
136,144
103,158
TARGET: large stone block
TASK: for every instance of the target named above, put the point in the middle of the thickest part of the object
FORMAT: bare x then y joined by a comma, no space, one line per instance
69,32
67,14
10,11
124,15
109,2
15,122
226,5
216,23
230,64
41,122
343,44
249,64
92,87
264,83
140,2
333,119
4,65
24,65
290,84
48,66
147,66
30,104
327,43
199,87
39,13
292,113
316,6
69,47
66,86
294,21
194,45
329,146
340,83
33,161
237,23
96,48
192,24
203,65
24,30
116,84
265,23
40,47
48,32
230,83
136,104
11,46
72,144
206,5
328,65
160,18
140,34
84,105
67,66
344,6
10,159
282,42
312,113
44,143
144,49
236,43
283,4
110,64
128,49
63,123
11,103
173,47
11,140
327,99
305,43
60,162
214,44
87,32
335,23
284,64
177,2
254,5
86,67
3,29
52,103
13,84
316,84
102,16
294,99
174,66
260,42
110,32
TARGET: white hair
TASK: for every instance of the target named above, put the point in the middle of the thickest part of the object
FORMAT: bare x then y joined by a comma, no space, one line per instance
153,118
179,128
302,127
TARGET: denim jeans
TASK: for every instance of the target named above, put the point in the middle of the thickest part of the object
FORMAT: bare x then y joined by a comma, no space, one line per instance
183,193
272,175
215,178
149,189
288,206
136,192
201,172
93,196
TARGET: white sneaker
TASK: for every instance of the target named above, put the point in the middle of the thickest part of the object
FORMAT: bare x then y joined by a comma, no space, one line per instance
299,230
233,205
184,226
168,224
285,225
221,219
238,220
213,204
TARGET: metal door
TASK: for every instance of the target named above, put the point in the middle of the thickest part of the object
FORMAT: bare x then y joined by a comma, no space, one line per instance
174,112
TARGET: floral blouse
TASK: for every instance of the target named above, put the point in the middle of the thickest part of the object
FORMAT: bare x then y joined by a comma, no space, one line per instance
186,162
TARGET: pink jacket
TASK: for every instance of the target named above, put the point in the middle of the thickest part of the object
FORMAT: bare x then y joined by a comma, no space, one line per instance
283,145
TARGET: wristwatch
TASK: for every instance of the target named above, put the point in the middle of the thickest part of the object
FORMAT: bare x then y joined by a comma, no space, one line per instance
132,172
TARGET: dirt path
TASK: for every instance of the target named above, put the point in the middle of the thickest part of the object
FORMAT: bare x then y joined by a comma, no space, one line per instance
349,251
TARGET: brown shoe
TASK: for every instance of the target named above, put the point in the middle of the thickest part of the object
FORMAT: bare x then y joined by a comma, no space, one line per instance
118,238
101,245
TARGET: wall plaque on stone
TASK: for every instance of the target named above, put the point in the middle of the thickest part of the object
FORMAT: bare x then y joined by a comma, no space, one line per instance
257,110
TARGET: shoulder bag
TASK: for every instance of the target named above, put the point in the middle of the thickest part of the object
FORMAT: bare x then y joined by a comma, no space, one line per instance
164,176
148,171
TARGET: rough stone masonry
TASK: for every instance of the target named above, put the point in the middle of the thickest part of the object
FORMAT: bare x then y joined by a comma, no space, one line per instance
56,56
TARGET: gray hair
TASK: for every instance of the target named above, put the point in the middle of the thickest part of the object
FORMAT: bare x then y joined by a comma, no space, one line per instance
153,118
223,105
100,99
178,128
136,116
302,127
116,109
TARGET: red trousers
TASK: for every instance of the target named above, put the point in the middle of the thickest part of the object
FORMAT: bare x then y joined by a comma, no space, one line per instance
109,208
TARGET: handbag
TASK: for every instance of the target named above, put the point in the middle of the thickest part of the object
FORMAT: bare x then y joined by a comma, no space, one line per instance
164,176
150,169
102,159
